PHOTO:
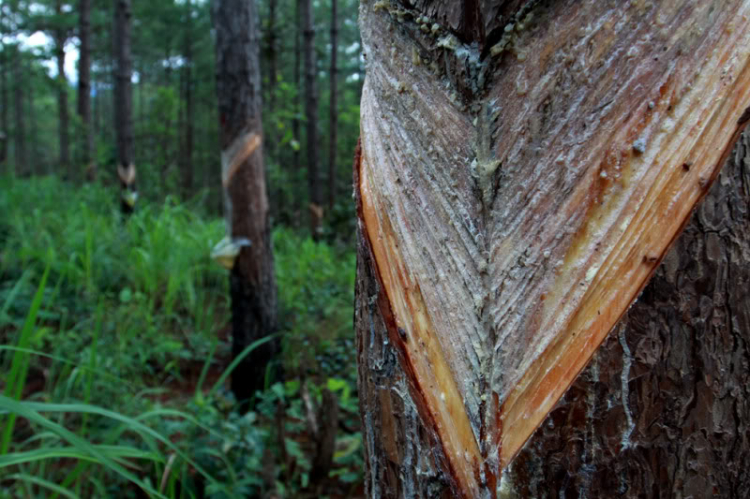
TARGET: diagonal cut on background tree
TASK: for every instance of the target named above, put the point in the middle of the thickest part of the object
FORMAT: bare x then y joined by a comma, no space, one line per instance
524,166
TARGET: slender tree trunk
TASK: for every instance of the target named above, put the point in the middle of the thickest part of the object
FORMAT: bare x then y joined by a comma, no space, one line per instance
187,167
273,71
311,115
333,109
524,168
35,160
4,70
62,100
84,88
123,104
298,90
19,131
252,283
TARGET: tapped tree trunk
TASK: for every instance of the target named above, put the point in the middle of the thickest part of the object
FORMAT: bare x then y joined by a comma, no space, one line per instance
252,282
311,115
123,98
187,167
333,109
524,168
84,88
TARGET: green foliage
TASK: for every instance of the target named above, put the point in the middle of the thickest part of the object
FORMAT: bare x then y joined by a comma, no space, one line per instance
113,335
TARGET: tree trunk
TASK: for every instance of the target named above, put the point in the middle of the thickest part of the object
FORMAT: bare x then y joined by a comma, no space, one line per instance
62,99
187,167
19,131
35,161
333,116
298,88
4,70
311,115
662,409
252,283
123,105
524,167
84,88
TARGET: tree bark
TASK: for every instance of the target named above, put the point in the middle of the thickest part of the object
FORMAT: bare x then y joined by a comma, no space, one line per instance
35,161
252,283
187,167
4,70
311,115
524,167
123,105
297,87
84,88
333,109
62,99
19,132
662,410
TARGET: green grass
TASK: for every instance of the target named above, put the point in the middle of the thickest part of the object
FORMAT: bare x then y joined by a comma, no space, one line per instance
114,349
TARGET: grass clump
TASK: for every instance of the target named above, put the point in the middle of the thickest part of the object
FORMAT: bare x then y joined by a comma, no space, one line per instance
114,344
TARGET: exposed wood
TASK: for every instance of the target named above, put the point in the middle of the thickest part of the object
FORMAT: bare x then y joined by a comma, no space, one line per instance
252,282
518,184
123,104
662,409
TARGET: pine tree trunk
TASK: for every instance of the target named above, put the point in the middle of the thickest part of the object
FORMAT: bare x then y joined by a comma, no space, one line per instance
84,88
19,132
524,168
62,100
123,107
35,161
252,283
4,70
298,88
333,108
311,115
187,167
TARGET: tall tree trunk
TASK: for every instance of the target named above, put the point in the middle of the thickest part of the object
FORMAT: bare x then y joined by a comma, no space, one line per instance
333,109
298,88
84,88
187,167
524,167
35,161
19,131
123,105
311,115
273,71
4,70
252,283
62,99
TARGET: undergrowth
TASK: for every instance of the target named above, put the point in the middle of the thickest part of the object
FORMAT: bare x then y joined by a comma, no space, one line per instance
114,354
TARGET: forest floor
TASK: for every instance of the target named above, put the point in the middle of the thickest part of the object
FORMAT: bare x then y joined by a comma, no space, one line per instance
115,354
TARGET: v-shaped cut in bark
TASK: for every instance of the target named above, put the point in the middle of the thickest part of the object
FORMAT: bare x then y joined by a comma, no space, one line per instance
513,225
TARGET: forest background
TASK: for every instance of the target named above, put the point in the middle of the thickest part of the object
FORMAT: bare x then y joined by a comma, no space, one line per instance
115,331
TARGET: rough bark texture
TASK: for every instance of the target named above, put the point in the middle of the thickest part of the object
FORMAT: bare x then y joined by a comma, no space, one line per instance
311,115
84,87
333,108
524,168
663,409
252,284
123,101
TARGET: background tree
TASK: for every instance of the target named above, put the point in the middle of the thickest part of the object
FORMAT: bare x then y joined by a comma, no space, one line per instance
333,109
311,116
84,87
123,104
514,196
252,283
